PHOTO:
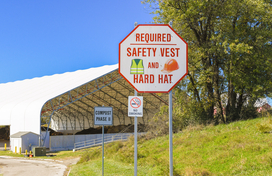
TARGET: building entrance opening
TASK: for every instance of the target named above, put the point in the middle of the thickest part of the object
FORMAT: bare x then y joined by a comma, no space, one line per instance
4,137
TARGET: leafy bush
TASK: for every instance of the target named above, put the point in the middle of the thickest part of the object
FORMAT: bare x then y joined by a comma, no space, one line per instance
265,126
186,112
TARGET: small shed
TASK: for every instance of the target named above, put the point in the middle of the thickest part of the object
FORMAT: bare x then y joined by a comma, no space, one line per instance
23,139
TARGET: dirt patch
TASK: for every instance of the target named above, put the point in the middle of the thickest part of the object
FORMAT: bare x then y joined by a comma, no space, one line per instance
52,132
68,163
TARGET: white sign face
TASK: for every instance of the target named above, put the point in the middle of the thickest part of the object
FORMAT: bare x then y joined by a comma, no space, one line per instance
135,106
103,116
153,58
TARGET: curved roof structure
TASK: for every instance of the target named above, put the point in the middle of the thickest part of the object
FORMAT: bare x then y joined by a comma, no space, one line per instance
65,101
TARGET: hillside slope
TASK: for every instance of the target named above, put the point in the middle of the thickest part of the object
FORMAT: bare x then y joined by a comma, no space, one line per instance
240,148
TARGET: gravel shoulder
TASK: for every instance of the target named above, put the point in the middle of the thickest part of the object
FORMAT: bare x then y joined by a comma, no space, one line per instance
10,166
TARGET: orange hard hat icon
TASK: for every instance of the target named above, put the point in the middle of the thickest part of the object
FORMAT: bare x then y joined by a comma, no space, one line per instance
170,65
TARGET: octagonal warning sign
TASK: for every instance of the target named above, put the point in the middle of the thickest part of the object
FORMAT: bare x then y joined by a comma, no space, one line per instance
153,58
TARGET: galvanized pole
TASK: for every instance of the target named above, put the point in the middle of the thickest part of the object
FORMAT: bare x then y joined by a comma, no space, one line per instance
170,135
135,141
170,130
102,150
135,132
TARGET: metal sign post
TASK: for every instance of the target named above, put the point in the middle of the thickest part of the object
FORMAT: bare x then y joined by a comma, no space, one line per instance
103,116
135,141
102,150
170,135
170,130
135,132
135,109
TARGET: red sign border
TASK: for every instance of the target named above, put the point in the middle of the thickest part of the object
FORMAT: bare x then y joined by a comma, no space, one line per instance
186,58
138,99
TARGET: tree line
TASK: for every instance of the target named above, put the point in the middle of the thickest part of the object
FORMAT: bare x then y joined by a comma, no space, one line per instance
229,57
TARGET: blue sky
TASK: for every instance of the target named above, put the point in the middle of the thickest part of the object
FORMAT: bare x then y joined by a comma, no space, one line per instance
39,38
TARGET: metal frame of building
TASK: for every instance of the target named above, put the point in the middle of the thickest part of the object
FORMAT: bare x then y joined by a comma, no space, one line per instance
73,110
70,109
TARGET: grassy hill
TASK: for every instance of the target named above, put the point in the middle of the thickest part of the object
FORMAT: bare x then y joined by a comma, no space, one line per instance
240,148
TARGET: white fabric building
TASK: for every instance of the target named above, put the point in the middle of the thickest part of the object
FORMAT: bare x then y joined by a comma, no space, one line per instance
21,102
65,101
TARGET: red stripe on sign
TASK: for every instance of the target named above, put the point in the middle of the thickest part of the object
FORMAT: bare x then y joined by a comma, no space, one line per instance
150,44
135,102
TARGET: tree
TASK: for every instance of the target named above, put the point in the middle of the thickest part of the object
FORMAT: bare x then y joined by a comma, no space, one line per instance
230,56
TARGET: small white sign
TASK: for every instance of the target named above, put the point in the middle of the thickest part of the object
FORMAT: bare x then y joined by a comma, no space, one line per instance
103,116
135,106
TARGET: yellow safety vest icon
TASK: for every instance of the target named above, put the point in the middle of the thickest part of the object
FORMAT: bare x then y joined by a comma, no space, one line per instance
137,66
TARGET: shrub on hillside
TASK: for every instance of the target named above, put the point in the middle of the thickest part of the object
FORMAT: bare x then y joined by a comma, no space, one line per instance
266,125
186,112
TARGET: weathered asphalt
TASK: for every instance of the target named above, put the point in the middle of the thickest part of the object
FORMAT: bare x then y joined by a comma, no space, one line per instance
10,166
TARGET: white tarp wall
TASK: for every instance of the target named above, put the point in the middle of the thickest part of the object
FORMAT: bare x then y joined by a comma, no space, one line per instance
63,124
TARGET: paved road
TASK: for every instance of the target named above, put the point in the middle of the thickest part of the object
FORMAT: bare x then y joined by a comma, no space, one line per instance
25,167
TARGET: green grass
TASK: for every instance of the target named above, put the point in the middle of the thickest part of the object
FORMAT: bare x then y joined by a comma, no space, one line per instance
10,153
240,148
111,168
60,155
